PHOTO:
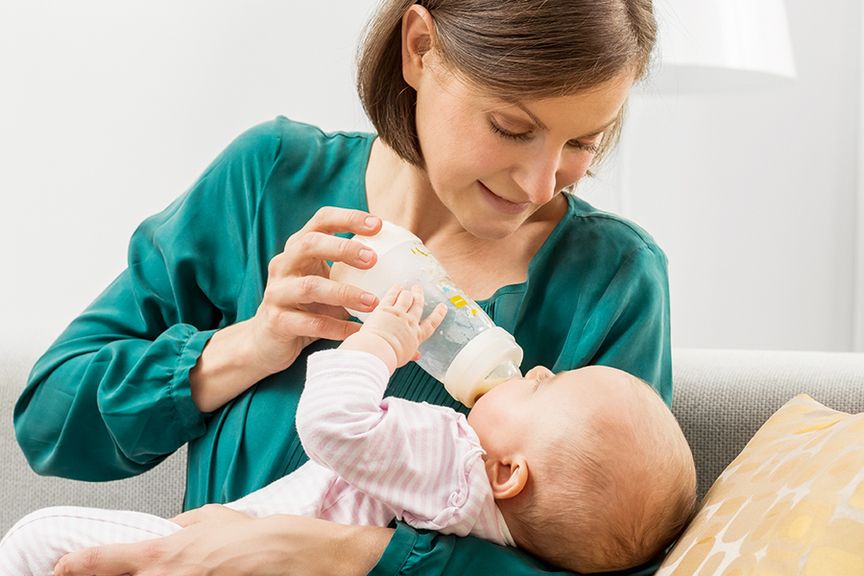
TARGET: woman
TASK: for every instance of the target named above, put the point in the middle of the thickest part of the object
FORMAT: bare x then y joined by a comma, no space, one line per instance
487,112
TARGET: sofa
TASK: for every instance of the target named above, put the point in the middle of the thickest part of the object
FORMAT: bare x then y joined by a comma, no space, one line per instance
721,397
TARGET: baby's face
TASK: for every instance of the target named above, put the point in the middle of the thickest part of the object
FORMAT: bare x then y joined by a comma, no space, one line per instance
515,410
524,414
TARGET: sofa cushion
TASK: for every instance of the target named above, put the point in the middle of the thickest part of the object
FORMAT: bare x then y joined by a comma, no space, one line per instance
791,503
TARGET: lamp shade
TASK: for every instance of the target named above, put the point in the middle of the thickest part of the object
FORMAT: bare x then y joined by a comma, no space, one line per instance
715,45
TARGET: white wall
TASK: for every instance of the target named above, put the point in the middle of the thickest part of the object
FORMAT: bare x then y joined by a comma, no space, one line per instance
109,110
858,316
753,195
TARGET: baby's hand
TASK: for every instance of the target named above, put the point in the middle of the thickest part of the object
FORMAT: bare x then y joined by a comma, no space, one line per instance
394,330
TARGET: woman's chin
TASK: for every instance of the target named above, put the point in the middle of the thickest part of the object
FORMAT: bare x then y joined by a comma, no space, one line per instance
490,226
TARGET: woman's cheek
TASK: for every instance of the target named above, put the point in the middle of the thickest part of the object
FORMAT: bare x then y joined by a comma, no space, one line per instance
574,171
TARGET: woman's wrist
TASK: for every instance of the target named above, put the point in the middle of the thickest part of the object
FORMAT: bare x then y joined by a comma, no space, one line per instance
360,548
326,548
227,366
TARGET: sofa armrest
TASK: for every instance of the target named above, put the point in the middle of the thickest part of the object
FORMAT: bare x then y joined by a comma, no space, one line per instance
721,397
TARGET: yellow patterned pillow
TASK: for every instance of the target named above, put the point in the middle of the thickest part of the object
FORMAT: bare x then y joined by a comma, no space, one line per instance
791,503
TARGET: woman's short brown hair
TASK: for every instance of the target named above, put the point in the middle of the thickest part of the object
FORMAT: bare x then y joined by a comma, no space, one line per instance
514,49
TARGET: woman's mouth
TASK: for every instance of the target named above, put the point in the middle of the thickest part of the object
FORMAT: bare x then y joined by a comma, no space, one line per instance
500,203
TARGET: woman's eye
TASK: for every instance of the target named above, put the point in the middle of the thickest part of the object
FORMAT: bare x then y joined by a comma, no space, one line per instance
593,148
518,136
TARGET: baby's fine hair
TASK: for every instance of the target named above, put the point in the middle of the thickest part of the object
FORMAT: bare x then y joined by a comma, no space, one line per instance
615,491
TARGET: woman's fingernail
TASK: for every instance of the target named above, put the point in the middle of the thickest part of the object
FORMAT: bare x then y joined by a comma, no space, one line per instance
366,255
368,299
371,221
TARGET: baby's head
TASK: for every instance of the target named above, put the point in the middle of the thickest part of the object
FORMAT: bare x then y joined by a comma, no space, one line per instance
589,467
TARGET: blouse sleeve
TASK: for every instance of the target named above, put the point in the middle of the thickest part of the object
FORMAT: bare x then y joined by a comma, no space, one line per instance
420,553
111,397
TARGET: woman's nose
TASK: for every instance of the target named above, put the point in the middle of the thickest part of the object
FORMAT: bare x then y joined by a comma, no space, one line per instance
537,177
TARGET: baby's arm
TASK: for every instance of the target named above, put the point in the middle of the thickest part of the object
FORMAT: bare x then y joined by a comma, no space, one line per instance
342,399
422,461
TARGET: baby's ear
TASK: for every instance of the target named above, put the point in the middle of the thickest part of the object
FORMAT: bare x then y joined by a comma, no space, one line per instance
507,476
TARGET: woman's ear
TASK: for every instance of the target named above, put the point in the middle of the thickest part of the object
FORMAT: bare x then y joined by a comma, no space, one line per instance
418,33
507,477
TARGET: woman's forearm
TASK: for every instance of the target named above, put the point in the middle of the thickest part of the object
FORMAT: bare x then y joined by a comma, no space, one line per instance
315,547
359,548
218,541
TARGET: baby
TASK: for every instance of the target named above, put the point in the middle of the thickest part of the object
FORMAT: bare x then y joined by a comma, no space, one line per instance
586,469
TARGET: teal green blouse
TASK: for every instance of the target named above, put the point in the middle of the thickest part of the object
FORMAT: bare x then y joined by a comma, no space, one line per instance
111,398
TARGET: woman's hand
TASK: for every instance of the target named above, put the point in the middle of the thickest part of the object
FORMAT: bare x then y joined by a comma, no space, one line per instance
300,305
219,541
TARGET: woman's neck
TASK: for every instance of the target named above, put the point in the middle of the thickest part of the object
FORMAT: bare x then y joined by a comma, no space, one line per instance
401,193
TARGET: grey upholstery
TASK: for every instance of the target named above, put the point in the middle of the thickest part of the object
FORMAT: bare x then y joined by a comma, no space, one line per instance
721,399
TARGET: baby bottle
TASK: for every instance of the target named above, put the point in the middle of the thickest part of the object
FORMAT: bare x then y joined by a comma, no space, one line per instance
468,353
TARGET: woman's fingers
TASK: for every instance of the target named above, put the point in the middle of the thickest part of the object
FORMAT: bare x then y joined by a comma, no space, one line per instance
316,240
292,291
316,325
301,303
108,560
334,220
305,248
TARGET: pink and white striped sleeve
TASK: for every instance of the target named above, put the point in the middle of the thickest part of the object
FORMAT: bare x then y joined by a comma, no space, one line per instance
422,460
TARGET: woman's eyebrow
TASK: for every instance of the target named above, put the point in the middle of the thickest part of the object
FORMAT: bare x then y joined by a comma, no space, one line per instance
599,130
530,115
542,126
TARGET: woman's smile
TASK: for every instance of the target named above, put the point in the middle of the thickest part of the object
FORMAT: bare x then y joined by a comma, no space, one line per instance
500,203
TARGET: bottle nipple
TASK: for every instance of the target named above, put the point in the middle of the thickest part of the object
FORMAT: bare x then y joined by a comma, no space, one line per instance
501,373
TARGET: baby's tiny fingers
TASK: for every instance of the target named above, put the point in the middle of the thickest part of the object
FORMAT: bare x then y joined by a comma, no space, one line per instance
390,296
432,321
416,310
404,300
438,313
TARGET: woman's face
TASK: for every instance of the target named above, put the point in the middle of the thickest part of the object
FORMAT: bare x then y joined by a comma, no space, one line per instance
494,163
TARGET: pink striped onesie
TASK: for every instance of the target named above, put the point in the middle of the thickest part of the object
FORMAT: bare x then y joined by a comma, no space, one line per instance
372,459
